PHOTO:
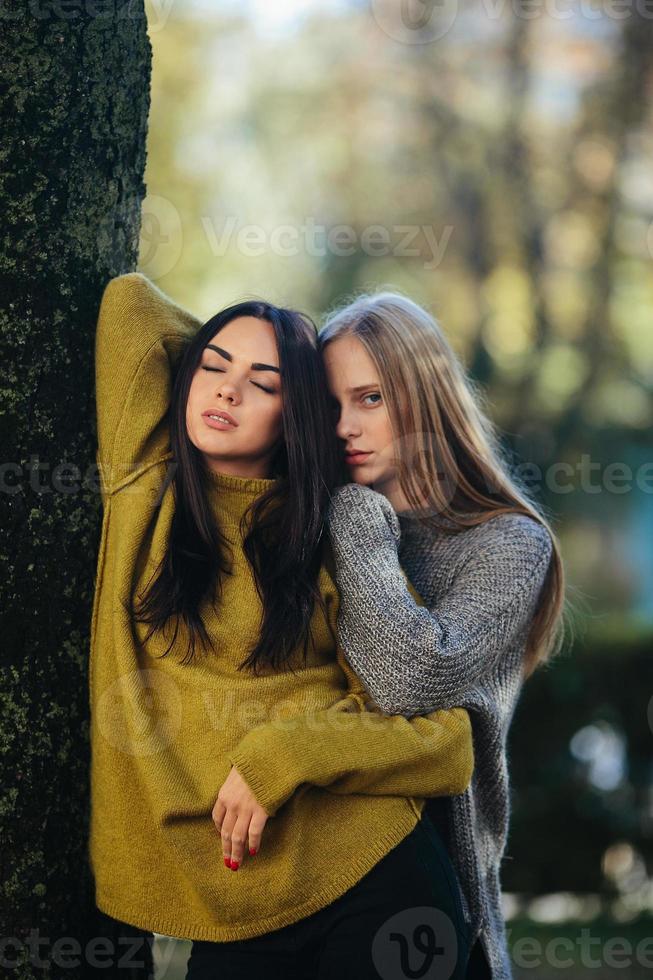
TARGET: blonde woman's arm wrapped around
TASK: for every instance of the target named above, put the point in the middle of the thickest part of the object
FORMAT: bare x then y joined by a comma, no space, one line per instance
411,658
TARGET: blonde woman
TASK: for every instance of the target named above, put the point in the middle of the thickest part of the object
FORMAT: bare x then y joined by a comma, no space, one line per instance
432,498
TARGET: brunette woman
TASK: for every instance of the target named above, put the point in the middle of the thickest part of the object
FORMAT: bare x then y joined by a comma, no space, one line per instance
245,793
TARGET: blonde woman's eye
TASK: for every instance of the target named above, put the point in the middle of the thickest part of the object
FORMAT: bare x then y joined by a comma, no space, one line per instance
373,394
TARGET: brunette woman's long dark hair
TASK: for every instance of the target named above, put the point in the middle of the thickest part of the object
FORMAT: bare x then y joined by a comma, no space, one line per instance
284,542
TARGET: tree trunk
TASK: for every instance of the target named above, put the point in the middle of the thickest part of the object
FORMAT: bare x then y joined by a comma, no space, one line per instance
74,107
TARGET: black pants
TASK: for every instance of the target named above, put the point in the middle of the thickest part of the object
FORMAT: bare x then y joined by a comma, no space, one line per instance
403,918
477,968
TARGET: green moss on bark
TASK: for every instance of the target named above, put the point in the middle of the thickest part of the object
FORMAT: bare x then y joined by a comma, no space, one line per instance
75,102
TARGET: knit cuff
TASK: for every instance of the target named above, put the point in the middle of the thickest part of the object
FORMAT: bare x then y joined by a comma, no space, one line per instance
363,516
271,787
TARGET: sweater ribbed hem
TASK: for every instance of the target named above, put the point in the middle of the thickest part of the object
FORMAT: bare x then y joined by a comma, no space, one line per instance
177,928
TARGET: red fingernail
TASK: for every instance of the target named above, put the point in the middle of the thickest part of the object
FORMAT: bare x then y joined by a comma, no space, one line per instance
252,851
227,862
234,865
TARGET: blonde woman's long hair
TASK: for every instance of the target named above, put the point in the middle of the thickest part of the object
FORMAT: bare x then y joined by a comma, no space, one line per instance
449,459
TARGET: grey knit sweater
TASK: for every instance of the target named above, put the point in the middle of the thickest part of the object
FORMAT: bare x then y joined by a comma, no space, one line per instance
463,647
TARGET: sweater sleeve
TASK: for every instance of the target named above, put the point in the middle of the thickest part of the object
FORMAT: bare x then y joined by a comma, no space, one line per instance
351,747
415,658
141,334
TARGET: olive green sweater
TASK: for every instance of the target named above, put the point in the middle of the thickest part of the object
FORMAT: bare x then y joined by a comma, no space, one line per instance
319,757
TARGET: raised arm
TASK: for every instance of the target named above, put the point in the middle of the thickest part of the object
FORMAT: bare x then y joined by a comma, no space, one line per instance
351,747
141,334
414,659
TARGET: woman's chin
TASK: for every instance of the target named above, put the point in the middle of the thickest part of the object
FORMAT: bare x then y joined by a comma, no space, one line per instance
358,475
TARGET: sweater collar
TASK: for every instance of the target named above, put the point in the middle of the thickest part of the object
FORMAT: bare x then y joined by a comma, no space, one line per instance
231,495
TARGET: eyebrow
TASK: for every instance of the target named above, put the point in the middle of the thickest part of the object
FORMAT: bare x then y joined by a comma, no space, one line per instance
371,384
255,364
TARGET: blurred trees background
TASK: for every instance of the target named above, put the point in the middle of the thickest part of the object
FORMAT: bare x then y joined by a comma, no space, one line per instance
494,162
511,157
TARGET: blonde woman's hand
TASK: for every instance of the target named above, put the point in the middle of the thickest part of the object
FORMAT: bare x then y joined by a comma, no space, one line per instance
239,819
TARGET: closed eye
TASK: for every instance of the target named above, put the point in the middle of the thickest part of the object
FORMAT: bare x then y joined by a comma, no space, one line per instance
270,391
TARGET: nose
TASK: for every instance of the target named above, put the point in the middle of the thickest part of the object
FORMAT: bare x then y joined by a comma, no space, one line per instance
228,392
347,426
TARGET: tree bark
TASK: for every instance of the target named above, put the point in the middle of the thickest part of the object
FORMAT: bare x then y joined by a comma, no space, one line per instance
75,97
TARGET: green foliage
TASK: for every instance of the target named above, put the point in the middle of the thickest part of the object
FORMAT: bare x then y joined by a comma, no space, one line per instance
565,816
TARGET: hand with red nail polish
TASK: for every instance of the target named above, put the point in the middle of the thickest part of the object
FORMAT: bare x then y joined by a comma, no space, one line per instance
239,819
